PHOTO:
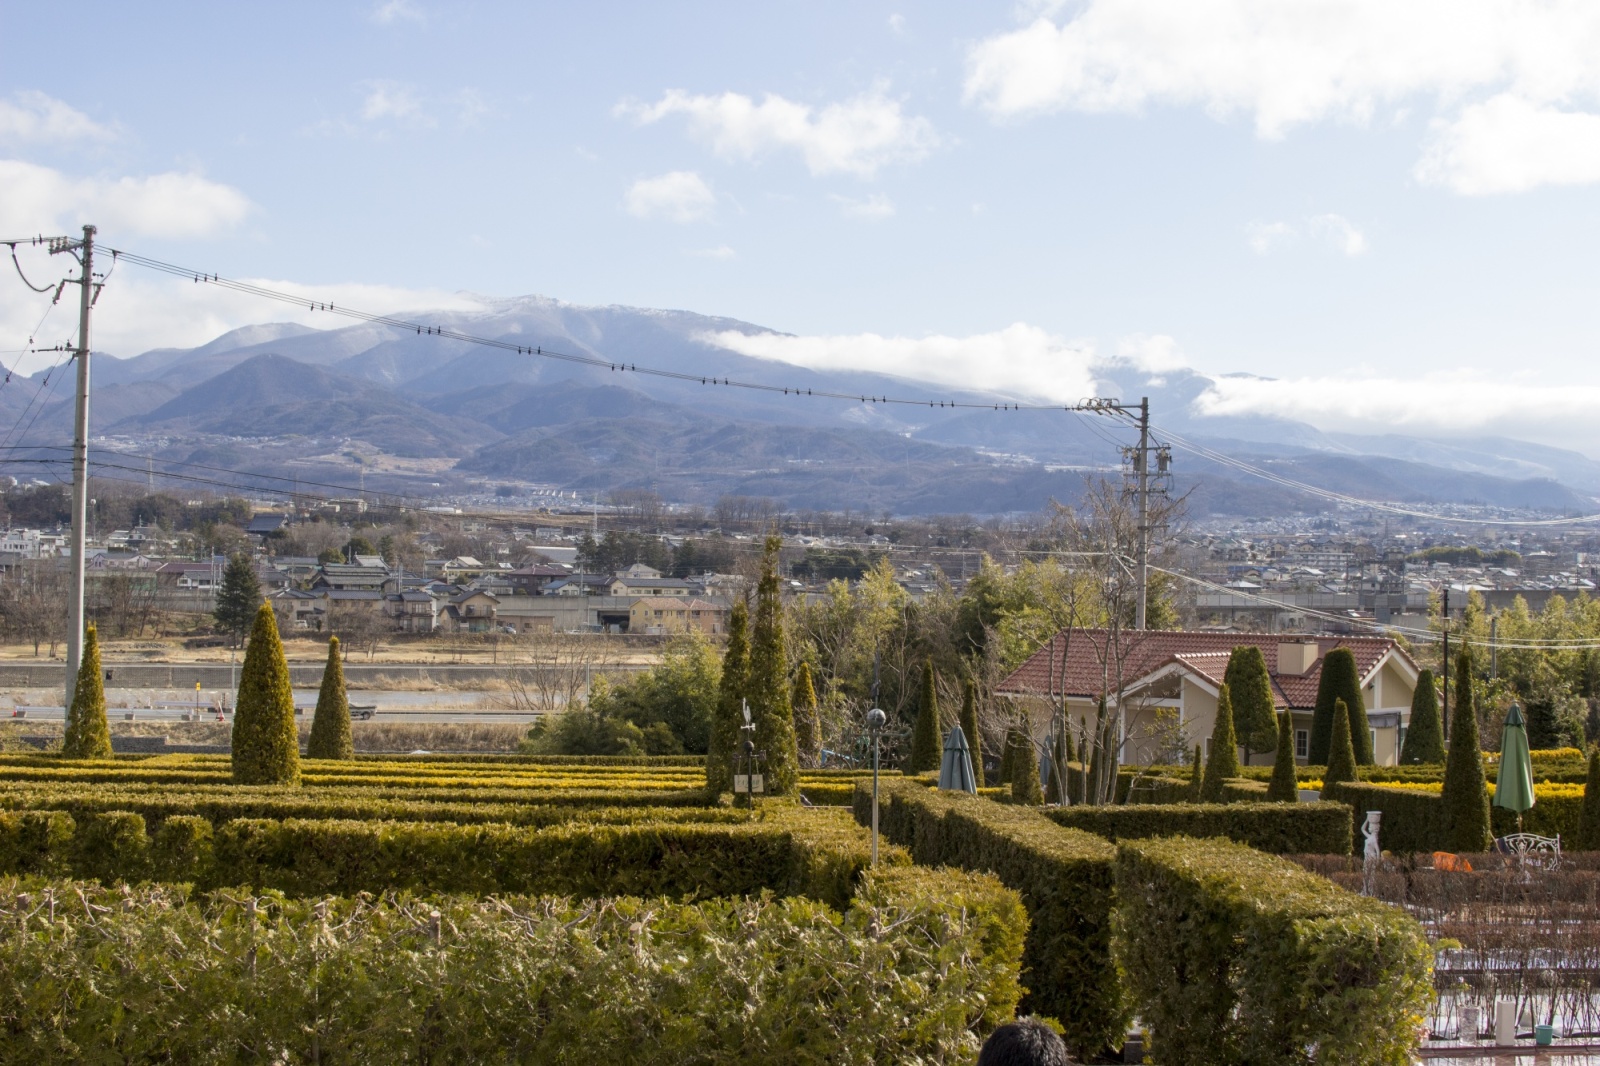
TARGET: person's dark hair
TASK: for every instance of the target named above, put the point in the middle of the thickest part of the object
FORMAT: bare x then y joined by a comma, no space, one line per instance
1024,1042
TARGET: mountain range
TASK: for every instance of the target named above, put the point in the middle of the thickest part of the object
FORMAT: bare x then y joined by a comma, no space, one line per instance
415,413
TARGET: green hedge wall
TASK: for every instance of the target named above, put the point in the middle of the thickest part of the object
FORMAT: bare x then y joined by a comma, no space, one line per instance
917,970
1063,875
820,854
1413,821
1234,956
1278,828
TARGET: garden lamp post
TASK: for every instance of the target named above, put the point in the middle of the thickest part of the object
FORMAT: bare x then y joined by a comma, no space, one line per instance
875,722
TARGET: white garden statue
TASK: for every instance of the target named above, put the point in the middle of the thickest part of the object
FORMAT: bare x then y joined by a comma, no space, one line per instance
1371,852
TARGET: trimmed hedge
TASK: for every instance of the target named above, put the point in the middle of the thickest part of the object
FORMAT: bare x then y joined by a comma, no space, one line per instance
1234,956
917,970
1063,875
1415,821
785,850
1278,828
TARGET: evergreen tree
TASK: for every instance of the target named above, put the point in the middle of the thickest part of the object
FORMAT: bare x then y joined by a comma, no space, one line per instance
238,597
1025,773
768,687
807,717
1197,777
1255,718
1060,759
1008,756
87,734
1424,735
969,725
1339,681
1341,754
925,746
1466,791
1589,820
1284,786
266,744
1224,761
330,724
730,695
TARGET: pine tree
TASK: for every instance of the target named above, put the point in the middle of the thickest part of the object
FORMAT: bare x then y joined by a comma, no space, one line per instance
87,734
266,744
1340,681
1589,819
238,597
1197,777
1255,719
1224,761
807,718
969,725
1341,752
1284,786
730,695
768,688
1025,773
1424,734
330,724
1466,791
925,746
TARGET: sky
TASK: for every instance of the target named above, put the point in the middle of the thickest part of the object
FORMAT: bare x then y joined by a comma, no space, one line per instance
1390,208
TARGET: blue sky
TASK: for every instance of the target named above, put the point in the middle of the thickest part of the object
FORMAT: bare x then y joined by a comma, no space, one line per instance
1391,208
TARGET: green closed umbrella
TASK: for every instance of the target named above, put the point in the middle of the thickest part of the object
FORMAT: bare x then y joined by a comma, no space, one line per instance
955,770
1513,788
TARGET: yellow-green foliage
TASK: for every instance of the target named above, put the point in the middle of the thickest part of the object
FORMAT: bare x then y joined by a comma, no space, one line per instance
266,745
330,726
1230,953
919,969
88,736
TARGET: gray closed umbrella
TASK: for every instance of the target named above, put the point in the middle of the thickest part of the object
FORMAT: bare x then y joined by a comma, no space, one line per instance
955,770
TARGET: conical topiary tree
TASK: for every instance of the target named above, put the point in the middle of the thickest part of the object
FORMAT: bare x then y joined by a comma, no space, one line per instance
807,717
266,744
1008,756
1339,681
969,725
1284,786
1424,741
1055,790
87,734
1223,762
330,724
729,714
1197,777
1255,719
1341,753
1025,772
1589,819
925,745
768,687
1466,792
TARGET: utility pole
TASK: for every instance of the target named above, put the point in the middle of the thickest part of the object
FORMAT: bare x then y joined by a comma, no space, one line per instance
80,466
1142,468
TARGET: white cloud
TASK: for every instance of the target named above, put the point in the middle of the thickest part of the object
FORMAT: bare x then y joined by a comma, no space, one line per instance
1508,145
175,204
1020,360
392,101
1336,231
875,206
1154,354
1450,405
388,12
721,251
1512,83
897,22
857,136
29,115
678,196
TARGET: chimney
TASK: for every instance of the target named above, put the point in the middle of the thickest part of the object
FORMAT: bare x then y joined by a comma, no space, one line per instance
1296,657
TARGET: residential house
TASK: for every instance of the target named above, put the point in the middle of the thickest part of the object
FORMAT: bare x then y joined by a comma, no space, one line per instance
298,609
350,576
471,611
263,526
658,615
626,586
1167,686
412,610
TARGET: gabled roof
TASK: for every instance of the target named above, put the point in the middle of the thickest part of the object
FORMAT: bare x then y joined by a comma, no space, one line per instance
674,603
1204,655
650,582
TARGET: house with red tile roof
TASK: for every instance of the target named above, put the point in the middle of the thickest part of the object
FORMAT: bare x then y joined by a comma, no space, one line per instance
1165,684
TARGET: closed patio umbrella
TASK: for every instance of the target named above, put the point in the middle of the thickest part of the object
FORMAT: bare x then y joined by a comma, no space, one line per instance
1513,788
955,770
